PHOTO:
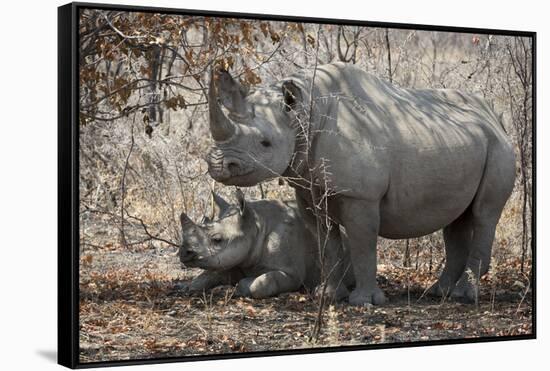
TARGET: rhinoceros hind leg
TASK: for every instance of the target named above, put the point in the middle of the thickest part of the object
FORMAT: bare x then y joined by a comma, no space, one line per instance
494,190
458,237
467,288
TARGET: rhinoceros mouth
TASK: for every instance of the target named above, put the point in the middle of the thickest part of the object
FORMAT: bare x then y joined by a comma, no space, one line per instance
188,257
245,180
200,262
229,178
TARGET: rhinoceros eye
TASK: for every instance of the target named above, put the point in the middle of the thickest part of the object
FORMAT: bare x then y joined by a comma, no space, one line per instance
266,143
216,239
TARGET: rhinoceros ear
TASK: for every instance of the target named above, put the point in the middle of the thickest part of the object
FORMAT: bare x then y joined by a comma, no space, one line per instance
220,205
292,96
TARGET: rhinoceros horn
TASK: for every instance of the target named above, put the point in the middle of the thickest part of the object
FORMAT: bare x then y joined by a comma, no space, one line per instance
240,200
221,127
221,205
224,89
186,222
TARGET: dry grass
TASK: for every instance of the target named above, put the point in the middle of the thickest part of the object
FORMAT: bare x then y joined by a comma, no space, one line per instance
130,308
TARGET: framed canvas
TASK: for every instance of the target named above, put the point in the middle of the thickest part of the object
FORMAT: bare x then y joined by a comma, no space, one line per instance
237,185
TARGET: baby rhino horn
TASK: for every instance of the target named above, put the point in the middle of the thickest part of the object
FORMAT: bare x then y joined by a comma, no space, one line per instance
185,221
220,205
240,199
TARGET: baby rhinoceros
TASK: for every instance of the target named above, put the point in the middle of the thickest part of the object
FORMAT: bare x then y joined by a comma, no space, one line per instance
262,246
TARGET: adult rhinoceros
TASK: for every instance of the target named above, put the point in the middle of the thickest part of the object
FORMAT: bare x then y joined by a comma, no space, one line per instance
402,163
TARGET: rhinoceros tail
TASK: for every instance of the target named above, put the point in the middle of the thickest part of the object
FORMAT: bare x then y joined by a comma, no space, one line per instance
501,121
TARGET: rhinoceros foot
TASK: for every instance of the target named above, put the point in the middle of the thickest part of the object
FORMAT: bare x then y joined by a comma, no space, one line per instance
243,287
465,290
180,288
364,298
439,290
337,293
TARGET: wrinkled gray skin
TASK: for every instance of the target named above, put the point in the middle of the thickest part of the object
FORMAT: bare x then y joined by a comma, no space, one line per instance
262,246
404,163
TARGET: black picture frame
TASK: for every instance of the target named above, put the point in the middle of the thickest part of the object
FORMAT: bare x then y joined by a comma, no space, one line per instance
68,178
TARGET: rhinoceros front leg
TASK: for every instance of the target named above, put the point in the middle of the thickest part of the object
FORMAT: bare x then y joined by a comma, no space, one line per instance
209,279
361,220
267,284
335,258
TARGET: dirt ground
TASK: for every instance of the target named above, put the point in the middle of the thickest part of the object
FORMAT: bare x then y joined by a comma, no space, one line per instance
131,308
